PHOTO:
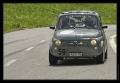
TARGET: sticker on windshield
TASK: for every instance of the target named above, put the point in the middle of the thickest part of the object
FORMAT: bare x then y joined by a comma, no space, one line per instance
79,16
75,15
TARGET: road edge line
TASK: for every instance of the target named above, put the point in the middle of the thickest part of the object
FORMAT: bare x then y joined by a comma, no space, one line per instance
112,43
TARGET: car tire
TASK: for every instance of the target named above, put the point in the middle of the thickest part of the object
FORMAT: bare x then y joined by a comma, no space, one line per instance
106,55
101,57
52,59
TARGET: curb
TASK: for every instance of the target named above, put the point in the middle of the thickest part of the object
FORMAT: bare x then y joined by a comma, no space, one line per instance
112,41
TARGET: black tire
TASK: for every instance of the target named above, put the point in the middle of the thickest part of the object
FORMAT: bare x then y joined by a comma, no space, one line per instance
101,57
106,55
52,59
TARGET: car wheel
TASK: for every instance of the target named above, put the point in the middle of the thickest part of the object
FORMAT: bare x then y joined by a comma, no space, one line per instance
52,59
101,57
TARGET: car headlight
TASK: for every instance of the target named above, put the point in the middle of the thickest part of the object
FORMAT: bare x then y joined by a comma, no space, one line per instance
93,42
57,42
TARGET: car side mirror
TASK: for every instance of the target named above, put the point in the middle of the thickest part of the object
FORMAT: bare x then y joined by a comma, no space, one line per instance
104,27
52,27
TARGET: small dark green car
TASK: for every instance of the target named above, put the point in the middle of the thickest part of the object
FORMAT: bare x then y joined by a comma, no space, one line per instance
78,34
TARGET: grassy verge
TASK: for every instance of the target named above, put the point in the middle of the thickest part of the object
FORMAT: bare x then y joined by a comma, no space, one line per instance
21,16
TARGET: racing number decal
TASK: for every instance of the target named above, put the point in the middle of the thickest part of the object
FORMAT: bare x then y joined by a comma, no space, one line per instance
61,52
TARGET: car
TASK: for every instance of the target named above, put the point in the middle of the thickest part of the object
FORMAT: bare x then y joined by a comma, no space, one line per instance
78,34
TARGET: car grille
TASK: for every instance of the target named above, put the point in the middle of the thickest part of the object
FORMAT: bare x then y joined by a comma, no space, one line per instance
75,43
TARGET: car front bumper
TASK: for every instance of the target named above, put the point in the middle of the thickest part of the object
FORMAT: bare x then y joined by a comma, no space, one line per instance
87,51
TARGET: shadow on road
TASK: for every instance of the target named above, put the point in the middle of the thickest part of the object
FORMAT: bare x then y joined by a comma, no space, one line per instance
81,62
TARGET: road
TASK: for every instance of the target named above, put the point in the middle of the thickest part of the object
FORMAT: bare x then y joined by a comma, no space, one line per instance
26,57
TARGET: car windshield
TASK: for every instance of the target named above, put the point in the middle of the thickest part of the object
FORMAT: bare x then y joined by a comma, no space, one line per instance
77,21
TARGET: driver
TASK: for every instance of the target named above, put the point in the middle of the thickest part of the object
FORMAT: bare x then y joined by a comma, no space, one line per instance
89,21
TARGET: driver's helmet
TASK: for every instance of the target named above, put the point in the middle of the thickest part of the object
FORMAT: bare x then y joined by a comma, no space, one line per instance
89,21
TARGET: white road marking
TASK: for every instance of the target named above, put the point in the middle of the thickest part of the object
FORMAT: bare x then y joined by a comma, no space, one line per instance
42,41
112,43
28,49
10,62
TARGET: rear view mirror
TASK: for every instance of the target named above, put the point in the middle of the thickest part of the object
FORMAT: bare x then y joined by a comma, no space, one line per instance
104,27
52,27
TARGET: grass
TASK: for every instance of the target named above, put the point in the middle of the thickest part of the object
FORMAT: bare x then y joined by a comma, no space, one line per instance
27,15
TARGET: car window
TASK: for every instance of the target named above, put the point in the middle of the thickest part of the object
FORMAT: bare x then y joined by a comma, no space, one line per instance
77,21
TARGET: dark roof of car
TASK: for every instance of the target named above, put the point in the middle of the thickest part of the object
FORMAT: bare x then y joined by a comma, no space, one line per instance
80,12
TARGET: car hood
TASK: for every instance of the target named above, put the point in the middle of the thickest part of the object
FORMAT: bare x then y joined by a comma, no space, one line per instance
77,33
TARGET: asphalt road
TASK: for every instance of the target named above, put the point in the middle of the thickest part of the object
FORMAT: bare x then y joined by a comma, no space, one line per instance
26,57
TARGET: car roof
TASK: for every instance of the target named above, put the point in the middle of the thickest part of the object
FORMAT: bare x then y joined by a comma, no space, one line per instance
79,12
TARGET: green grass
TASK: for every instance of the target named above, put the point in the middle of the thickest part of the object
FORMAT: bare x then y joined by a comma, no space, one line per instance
20,15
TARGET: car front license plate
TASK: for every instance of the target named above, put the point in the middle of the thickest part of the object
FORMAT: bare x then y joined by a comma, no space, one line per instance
75,54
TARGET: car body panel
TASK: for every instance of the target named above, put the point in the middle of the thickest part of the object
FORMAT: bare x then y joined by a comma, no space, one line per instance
78,33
